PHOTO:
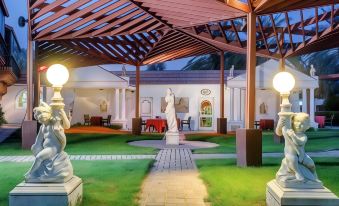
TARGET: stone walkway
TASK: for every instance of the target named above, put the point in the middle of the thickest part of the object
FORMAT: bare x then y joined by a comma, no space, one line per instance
30,158
332,153
173,180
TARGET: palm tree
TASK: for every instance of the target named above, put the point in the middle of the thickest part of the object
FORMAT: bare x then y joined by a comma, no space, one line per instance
325,62
156,67
212,61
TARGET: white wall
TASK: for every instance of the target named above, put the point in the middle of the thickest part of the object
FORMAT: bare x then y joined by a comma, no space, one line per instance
270,98
185,90
13,115
87,101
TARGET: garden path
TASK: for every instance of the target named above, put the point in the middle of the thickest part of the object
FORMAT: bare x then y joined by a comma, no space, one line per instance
173,180
30,158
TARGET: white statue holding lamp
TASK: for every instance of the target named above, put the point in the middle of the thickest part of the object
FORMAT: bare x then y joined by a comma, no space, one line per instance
51,163
50,180
297,168
296,181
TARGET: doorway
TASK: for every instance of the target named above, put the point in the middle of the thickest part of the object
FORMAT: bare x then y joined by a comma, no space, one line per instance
206,114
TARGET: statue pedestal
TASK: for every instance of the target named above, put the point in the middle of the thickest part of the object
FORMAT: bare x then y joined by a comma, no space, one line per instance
51,194
172,138
279,196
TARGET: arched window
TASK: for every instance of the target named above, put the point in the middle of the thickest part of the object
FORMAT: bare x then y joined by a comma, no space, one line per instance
21,99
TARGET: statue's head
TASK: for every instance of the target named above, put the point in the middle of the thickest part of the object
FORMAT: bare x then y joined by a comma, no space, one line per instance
43,113
300,122
169,91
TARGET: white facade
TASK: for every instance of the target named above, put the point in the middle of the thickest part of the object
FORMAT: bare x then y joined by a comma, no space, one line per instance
94,91
267,95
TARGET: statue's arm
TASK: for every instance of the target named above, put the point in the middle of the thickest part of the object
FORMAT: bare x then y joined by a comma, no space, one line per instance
280,125
65,122
298,140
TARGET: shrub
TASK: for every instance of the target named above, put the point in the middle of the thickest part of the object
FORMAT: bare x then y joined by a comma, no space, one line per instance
332,103
328,114
78,124
115,126
2,117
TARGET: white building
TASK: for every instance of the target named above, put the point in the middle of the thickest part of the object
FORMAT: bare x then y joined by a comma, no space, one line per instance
97,92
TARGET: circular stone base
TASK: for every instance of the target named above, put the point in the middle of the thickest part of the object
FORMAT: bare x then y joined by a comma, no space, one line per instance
161,144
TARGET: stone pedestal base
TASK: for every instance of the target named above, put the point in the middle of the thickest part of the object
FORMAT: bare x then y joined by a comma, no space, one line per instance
278,196
222,125
29,130
136,126
249,147
172,138
51,194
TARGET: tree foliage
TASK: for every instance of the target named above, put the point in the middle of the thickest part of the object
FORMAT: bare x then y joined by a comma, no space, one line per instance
325,62
212,62
156,67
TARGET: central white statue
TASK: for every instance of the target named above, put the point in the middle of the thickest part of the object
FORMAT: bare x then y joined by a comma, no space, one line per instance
172,134
170,112
51,163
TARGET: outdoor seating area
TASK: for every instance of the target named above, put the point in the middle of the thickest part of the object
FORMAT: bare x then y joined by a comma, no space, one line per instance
159,125
97,120
169,103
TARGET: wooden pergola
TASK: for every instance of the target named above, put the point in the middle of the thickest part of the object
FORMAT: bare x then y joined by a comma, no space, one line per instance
140,32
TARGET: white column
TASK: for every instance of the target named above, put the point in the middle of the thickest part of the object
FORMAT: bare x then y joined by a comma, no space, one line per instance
237,104
231,104
123,104
311,104
304,106
117,112
242,103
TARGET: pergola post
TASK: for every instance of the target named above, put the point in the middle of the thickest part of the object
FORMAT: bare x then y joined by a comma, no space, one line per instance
248,139
29,126
136,121
222,121
37,85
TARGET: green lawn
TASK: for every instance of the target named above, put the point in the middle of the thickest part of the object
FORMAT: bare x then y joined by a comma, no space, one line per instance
228,184
105,182
321,140
88,144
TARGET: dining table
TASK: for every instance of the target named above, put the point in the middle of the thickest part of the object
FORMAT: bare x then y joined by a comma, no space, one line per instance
96,121
159,124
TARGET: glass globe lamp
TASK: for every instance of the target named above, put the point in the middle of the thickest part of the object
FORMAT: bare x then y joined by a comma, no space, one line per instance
284,82
57,75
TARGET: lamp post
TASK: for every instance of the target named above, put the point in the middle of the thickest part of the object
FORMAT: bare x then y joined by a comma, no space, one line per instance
57,75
